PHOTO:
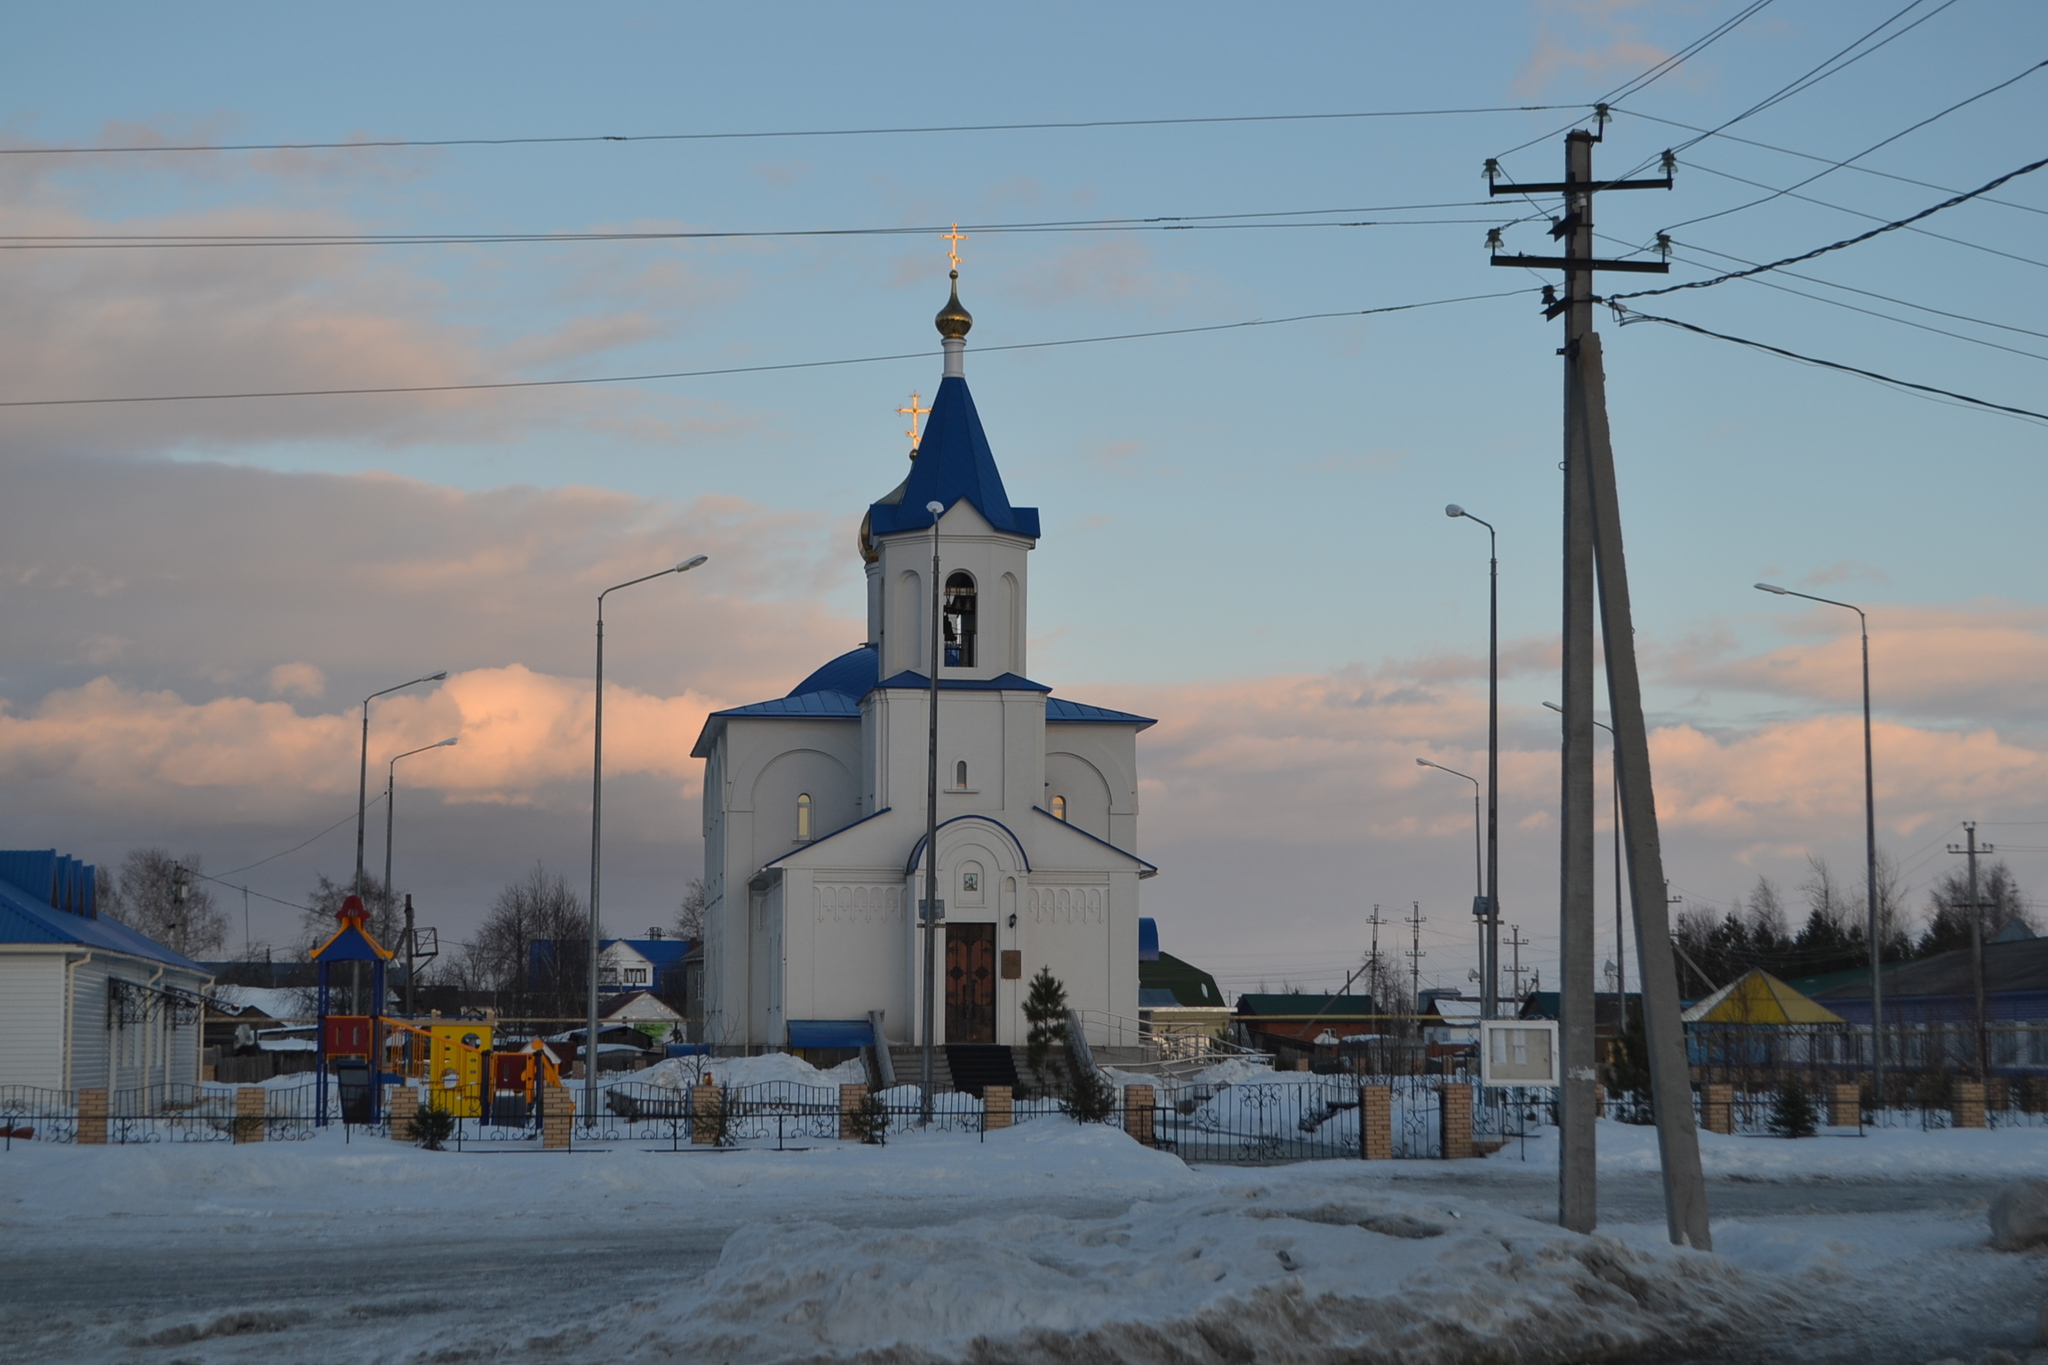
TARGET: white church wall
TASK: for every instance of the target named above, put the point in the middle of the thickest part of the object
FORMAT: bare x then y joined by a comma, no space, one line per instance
1080,789
846,955
1110,754
968,544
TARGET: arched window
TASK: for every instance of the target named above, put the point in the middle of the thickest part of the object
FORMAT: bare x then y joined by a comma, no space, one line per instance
1059,808
960,774
960,621
803,818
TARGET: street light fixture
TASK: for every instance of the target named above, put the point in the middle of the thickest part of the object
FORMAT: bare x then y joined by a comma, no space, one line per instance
1478,867
1620,942
1489,965
390,791
363,769
597,829
1869,843
927,1061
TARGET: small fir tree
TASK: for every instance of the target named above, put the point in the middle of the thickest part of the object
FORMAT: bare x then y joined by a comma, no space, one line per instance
431,1128
1045,1009
1792,1112
1091,1097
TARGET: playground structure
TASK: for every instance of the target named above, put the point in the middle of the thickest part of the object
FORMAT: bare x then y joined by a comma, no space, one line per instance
366,1049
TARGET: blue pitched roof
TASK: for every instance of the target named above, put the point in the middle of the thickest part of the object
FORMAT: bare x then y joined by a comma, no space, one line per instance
953,462
1059,709
661,952
26,918
1002,682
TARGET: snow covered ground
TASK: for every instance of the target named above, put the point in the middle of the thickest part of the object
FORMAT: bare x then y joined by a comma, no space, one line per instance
1047,1242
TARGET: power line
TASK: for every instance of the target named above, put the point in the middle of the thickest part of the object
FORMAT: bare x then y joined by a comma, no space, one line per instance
567,140
1180,223
1655,72
1628,317
1871,294
738,369
296,847
1931,118
1874,313
1830,67
1879,231
1878,217
233,886
1810,156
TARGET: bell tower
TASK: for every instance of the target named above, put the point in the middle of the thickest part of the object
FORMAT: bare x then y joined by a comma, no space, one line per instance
983,541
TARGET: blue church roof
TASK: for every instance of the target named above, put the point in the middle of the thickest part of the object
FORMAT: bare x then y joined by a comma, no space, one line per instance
953,462
852,673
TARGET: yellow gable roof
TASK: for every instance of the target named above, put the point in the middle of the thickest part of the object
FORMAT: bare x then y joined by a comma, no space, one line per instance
1757,997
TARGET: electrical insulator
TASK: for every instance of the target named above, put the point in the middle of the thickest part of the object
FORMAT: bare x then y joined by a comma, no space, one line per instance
1493,241
1492,171
1669,162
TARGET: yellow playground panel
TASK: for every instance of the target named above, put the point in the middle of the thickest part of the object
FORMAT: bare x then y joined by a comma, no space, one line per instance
452,1066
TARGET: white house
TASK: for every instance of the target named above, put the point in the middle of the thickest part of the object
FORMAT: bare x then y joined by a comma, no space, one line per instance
815,803
86,1003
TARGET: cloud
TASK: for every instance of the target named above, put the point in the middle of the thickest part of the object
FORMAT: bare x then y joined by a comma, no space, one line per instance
1959,662
1585,38
1119,271
303,679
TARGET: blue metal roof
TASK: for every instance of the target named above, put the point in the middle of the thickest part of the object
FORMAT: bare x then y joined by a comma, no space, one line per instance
811,705
26,918
852,674
1002,682
1148,939
1070,712
953,462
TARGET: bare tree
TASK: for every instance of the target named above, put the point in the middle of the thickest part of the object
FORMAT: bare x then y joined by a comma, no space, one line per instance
322,915
533,947
144,896
690,914
1948,927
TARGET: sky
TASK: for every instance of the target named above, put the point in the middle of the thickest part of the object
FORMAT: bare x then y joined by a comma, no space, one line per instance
1244,528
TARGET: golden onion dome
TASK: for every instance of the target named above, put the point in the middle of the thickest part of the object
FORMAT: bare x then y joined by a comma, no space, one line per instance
866,540
953,320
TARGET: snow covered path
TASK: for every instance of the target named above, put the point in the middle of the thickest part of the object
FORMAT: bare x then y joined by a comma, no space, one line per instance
1046,1243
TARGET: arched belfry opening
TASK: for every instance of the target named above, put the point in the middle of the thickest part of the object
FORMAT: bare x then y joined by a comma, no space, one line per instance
960,620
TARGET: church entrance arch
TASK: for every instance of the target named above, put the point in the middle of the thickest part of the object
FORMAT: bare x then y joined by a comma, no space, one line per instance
970,983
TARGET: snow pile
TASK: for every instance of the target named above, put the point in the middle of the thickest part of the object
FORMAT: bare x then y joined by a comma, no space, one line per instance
1261,1272
680,1073
1880,1152
1239,1069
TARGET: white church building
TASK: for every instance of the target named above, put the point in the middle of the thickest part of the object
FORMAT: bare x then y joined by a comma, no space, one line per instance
815,803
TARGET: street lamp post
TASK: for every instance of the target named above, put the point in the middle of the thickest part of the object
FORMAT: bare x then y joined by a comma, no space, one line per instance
927,1061
1871,925
1620,957
1489,966
597,831
1478,868
390,792
363,770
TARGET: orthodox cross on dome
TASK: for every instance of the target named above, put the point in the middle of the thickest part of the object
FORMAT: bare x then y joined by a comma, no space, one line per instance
953,239
915,412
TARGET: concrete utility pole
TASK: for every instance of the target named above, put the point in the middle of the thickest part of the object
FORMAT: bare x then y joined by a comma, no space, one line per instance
1971,850
1416,953
1592,543
931,908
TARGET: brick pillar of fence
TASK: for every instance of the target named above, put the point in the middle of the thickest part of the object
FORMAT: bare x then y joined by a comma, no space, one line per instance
404,1107
1717,1108
704,1103
1454,1104
1997,1095
92,1117
1376,1122
249,1113
1138,1112
558,1119
1845,1106
1966,1101
998,1108
850,1097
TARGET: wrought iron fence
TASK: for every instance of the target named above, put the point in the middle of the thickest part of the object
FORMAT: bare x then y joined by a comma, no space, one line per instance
30,1113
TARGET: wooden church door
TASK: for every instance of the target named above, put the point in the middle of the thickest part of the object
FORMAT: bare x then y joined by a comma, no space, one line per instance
970,983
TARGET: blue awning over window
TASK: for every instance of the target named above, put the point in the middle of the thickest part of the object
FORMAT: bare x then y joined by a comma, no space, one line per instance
830,1033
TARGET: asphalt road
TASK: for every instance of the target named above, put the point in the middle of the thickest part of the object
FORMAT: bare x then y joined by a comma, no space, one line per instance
188,1292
